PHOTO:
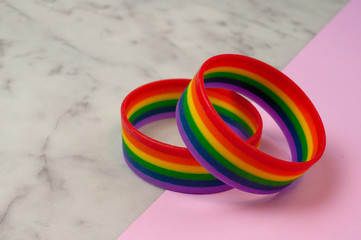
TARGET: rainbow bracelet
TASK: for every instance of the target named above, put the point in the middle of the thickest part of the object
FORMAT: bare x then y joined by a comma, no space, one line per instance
223,152
173,167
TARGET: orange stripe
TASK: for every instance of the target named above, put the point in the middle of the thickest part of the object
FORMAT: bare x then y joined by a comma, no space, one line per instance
230,146
165,157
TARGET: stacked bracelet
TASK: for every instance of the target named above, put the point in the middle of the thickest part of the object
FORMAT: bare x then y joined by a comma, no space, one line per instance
221,129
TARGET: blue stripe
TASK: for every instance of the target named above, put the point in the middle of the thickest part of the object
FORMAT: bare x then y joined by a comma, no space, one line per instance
271,103
237,125
153,112
212,161
171,180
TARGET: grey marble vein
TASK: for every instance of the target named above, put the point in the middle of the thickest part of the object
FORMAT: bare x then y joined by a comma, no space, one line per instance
65,67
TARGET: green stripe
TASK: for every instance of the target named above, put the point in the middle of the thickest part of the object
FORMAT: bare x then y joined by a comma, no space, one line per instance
236,118
275,98
173,102
216,155
166,172
152,106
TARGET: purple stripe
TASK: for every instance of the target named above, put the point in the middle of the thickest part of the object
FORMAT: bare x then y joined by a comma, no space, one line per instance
266,107
237,131
154,118
210,168
177,188
168,115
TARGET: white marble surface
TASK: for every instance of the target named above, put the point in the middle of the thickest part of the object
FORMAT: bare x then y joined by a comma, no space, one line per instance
65,67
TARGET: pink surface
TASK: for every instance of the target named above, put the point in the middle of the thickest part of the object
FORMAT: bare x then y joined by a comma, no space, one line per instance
326,202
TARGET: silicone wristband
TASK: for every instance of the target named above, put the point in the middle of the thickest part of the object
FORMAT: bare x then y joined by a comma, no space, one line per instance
173,167
222,152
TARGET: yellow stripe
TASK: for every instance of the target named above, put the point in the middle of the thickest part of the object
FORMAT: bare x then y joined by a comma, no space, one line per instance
176,96
162,163
157,98
278,92
219,147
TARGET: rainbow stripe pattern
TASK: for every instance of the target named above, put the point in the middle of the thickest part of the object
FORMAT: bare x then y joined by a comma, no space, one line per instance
173,167
226,155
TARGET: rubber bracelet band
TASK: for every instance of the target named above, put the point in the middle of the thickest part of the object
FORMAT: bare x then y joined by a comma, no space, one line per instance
227,156
173,167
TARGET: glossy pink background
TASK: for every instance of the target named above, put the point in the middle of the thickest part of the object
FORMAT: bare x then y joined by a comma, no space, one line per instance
326,202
